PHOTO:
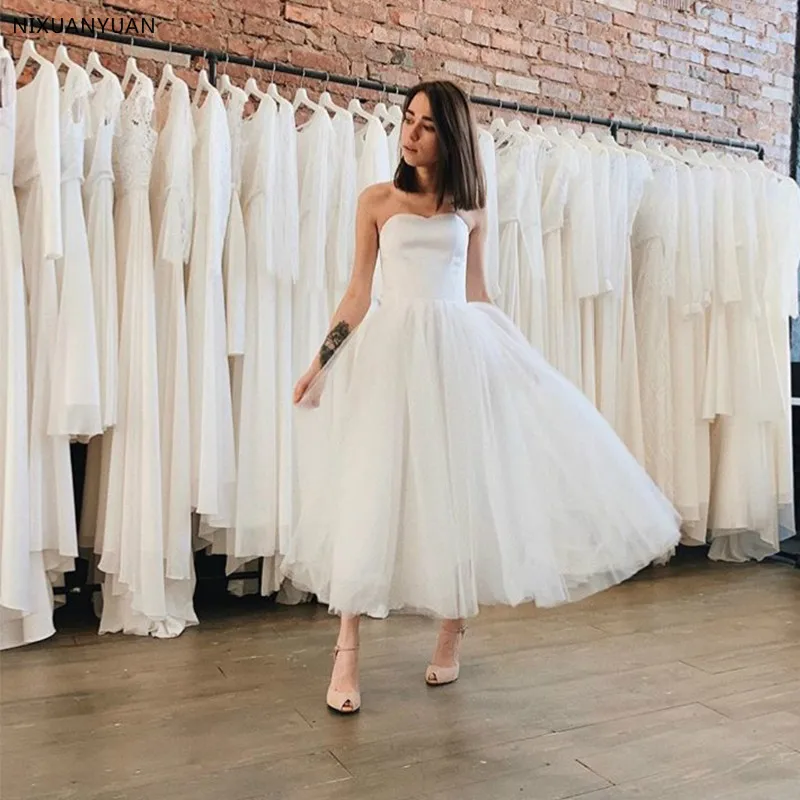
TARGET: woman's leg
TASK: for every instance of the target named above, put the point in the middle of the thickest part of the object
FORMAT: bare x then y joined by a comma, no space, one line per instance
343,692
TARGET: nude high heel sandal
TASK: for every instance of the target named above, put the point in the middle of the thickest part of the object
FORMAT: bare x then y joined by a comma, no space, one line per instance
441,676
343,702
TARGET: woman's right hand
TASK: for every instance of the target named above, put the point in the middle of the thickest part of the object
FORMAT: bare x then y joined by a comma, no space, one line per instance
305,380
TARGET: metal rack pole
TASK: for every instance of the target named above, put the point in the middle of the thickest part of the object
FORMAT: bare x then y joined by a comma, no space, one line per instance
213,57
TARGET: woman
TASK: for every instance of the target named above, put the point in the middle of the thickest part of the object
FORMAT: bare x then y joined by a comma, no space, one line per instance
445,465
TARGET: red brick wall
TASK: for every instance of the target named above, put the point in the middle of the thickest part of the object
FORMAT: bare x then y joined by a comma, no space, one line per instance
723,66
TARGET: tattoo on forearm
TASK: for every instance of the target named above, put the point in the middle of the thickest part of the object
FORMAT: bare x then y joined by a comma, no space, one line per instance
333,341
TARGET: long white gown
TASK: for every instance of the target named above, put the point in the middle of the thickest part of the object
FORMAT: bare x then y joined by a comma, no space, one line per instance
286,269
37,180
98,200
130,519
234,256
255,525
340,237
310,308
25,600
437,473
75,404
654,246
524,291
213,456
491,255
171,211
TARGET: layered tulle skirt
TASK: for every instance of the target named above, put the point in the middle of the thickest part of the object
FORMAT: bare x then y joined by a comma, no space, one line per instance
444,465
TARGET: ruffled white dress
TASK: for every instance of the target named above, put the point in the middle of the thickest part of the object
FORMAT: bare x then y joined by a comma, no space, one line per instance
448,466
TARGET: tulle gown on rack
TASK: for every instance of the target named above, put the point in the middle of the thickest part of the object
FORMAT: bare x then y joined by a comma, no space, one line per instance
448,466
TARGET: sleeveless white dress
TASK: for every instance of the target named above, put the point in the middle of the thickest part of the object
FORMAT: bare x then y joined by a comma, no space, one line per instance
444,465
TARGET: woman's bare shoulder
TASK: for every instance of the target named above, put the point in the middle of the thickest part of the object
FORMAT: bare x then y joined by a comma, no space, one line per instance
475,219
378,194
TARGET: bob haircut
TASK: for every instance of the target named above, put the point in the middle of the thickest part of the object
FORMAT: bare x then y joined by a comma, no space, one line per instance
459,171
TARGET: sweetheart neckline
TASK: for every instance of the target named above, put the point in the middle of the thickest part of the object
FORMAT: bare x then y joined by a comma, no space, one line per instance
423,217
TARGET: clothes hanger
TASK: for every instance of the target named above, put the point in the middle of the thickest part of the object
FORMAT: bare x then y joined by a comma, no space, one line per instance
272,89
131,71
326,101
251,89
226,86
29,52
94,65
536,129
356,109
62,59
498,125
301,97
167,80
203,87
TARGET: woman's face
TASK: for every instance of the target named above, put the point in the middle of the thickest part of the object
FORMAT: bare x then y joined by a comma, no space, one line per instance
418,135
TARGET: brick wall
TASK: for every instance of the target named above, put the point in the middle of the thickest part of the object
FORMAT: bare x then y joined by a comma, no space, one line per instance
723,66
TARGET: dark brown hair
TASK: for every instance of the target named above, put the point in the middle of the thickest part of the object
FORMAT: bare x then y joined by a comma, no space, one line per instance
459,171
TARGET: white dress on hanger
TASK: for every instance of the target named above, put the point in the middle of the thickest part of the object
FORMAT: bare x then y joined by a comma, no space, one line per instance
255,529
685,309
171,193
630,424
608,305
781,301
98,201
561,167
654,247
439,466
594,282
75,404
286,269
491,255
26,614
213,456
372,154
37,179
234,256
703,176
343,201
744,514
580,265
310,315
395,129
130,520
520,166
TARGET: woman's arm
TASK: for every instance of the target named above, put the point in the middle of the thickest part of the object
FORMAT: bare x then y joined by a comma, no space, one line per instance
356,300
476,282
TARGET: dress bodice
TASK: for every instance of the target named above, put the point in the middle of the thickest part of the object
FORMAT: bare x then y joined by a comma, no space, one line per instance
8,116
424,258
133,153
104,117
74,113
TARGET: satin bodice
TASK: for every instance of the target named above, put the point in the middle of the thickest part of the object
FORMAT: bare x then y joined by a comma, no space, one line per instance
424,258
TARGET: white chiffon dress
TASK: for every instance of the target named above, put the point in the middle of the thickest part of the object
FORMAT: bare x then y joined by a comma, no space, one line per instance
26,612
444,465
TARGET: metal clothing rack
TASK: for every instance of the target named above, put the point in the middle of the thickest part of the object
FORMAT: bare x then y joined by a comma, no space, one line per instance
216,57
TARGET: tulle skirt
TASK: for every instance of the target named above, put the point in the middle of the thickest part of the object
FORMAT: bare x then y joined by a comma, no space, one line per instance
444,465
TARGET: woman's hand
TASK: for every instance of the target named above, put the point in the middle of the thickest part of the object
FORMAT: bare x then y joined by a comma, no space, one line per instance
301,387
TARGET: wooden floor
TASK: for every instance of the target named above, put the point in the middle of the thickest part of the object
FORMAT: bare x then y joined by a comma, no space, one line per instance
683,684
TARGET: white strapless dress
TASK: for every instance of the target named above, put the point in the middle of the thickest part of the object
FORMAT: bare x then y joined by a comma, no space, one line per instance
447,465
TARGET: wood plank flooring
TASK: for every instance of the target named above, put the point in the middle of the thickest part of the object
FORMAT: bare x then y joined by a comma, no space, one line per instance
682,684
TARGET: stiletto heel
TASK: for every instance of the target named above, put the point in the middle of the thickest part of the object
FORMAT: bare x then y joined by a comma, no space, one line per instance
343,702
436,675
